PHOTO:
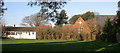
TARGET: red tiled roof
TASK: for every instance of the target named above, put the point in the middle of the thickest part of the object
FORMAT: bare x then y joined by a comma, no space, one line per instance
44,26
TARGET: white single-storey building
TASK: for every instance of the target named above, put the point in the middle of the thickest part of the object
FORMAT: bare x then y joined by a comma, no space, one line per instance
20,32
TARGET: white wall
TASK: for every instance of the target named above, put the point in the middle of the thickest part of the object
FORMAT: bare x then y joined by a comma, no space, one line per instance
24,35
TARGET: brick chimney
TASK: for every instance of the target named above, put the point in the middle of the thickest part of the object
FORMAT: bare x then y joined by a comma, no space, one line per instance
14,25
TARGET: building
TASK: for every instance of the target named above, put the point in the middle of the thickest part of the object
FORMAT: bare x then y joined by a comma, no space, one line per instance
81,25
88,25
21,32
101,19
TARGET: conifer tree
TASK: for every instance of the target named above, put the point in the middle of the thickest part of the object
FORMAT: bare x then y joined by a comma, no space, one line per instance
62,19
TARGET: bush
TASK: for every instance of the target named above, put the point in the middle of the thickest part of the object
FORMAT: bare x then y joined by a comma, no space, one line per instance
108,32
59,33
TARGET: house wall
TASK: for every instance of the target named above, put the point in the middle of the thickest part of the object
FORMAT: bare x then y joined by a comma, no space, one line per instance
24,35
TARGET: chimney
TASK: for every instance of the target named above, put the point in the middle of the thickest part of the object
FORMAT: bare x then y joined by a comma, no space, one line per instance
14,25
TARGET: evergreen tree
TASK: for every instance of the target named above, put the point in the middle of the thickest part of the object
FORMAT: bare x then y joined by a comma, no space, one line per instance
62,19
49,8
109,33
85,16
74,19
88,15
118,19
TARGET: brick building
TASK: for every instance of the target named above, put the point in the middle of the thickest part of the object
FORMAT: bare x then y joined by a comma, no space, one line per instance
80,24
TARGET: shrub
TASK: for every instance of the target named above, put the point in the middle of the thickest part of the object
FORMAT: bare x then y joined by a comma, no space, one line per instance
59,33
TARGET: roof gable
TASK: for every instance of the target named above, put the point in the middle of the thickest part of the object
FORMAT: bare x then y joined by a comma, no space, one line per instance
80,21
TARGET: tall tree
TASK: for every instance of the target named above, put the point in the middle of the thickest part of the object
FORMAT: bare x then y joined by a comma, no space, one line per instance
2,22
118,18
1,7
74,19
1,14
85,16
49,8
34,20
109,33
88,15
62,19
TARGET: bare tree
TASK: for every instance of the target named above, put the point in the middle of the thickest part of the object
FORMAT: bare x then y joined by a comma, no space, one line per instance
34,20
2,21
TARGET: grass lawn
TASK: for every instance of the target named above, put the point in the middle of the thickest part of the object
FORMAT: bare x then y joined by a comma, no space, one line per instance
57,45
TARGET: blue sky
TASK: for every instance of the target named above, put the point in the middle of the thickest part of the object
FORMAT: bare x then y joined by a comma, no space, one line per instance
18,10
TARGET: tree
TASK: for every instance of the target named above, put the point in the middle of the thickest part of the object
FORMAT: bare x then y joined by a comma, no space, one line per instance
74,19
62,19
118,19
88,15
1,8
49,8
2,21
119,5
1,12
109,33
85,16
33,20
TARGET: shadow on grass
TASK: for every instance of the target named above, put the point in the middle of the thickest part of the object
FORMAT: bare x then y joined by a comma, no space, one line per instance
61,46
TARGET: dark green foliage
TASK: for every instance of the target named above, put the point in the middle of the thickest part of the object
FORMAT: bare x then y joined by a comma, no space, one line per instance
62,19
85,16
119,4
107,27
51,9
118,22
74,19
88,15
111,29
109,33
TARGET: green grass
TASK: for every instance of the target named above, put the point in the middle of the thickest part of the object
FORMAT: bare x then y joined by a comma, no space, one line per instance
57,45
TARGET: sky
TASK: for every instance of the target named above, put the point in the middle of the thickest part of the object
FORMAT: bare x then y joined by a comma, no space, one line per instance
18,10
65,0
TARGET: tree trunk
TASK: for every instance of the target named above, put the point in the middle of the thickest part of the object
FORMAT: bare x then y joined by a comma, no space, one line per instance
53,37
91,35
44,37
118,37
49,38
57,37
62,36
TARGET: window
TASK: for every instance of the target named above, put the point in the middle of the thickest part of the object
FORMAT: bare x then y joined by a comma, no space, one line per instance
8,33
33,33
19,33
29,33
26,32
12,33
16,33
